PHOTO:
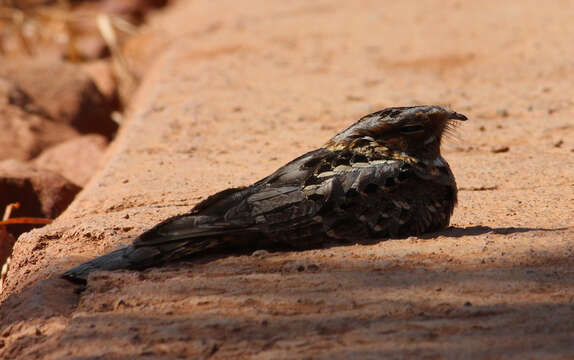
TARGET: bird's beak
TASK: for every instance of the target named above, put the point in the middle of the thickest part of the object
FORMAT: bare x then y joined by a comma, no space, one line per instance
456,116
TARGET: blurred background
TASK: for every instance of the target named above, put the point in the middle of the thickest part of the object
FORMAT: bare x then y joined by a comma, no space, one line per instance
64,84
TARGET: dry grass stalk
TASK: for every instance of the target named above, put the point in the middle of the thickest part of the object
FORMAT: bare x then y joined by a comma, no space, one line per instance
107,26
37,25
34,29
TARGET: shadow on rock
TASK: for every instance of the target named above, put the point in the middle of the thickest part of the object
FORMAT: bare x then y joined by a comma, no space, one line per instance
481,230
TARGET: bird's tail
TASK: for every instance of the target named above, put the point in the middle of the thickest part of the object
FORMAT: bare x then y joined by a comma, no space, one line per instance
174,238
140,257
123,258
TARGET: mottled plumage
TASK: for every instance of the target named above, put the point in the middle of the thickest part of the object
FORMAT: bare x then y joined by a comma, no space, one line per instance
382,177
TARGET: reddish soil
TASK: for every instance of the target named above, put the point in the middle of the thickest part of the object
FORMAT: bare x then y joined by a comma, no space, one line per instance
235,90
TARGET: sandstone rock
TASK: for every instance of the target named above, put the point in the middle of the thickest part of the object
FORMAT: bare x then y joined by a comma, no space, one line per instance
10,94
41,193
7,241
76,159
30,3
134,11
64,91
26,130
103,76
47,298
91,46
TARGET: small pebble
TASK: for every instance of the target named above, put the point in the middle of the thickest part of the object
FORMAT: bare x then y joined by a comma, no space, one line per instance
502,112
312,267
500,149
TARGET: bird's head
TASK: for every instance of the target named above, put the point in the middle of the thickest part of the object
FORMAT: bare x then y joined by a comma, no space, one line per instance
414,130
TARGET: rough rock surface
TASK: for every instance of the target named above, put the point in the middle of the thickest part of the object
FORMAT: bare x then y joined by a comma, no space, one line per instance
41,193
102,73
76,159
79,103
234,94
26,129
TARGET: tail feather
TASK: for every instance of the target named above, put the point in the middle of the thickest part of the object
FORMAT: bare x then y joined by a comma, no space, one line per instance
140,257
125,258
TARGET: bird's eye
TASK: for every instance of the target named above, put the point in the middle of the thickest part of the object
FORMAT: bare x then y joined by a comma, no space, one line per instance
411,129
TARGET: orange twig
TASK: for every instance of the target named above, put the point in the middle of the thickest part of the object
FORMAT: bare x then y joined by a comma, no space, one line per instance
25,220
7,242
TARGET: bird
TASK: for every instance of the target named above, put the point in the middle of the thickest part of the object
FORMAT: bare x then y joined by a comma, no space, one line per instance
382,177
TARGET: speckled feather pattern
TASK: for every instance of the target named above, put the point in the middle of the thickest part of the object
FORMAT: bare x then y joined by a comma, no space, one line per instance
382,177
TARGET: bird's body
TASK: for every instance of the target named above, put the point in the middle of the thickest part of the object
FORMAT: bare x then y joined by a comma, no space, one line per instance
382,177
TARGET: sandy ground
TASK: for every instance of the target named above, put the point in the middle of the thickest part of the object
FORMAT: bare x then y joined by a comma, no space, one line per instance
235,90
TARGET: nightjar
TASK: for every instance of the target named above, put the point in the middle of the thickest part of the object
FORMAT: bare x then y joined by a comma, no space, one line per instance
382,177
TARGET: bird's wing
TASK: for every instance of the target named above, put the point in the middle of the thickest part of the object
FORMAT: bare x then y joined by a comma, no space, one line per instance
314,194
242,210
